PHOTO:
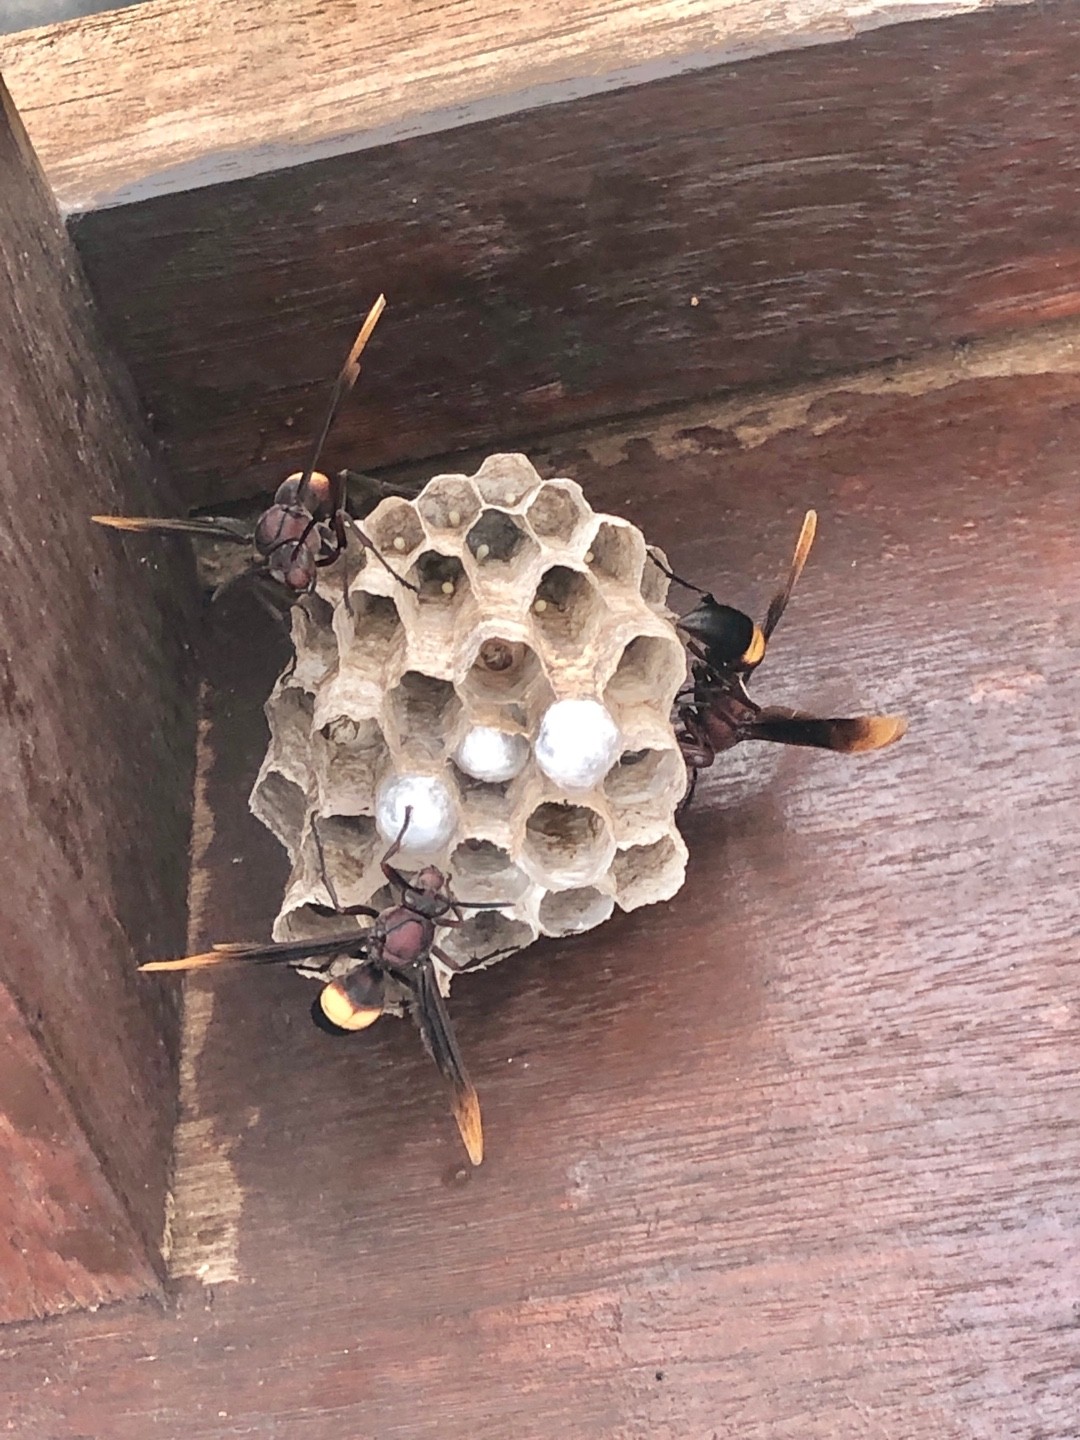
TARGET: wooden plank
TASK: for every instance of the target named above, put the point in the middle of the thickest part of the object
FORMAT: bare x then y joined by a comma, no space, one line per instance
167,97
95,731
67,1240
791,1156
751,224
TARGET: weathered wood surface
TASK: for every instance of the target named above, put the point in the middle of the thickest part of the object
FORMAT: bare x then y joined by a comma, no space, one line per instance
125,105
824,208
95,739
792,1156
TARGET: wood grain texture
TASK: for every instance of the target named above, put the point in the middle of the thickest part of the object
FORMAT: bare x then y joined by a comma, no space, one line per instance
67,1240
126,105
95,739
792,1157
752,224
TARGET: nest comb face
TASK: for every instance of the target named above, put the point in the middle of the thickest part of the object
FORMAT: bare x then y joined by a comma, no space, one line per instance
520,701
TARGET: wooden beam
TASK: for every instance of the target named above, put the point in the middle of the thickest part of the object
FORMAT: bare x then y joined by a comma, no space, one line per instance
169,97
96,734
737,225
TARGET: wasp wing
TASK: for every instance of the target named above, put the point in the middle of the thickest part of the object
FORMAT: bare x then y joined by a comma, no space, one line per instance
433,1020
779,602
345,381
848,736
348,942
213,527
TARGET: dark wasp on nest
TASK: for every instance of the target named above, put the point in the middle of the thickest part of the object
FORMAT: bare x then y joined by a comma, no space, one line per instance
714,711
306,526
389,962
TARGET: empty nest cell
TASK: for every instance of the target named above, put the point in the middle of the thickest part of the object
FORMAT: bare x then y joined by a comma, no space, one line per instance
559,513
280,804
350,765
424,712
644,775
654,583
651,668
314,642
371,632
644,874
568,912
483,870
566,845
485,937
616,554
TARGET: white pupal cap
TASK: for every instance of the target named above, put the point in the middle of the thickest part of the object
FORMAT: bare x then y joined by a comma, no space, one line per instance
578,743
489,754
434,815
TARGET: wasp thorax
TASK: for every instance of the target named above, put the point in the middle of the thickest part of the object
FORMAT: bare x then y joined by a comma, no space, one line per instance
280,525
729,636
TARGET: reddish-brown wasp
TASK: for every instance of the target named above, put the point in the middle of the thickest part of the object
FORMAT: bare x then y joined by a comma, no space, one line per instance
306,526
713,711
390,962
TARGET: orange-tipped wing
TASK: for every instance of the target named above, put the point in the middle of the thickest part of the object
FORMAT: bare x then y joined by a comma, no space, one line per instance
429,1011
779,602
213,527
350,373
352,942
849,736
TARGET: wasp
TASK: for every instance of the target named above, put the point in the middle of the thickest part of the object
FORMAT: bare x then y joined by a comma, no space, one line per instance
714,711
306,526
388,963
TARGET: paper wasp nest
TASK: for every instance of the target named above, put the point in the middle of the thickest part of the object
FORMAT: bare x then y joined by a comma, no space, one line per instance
526,598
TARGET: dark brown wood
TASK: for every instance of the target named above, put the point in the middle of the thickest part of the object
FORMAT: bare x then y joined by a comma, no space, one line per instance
96,735
793,1155
753,223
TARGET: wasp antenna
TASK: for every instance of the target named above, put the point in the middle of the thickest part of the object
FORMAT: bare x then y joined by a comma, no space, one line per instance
686,584
467,1115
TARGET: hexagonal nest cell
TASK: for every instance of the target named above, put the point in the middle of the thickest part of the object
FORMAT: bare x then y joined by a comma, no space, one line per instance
524,597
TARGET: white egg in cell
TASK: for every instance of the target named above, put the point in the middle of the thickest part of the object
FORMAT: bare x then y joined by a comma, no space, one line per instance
493,755
578,743
433,818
